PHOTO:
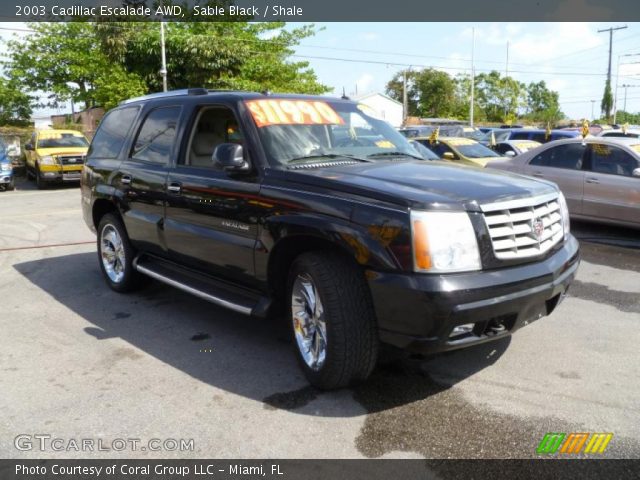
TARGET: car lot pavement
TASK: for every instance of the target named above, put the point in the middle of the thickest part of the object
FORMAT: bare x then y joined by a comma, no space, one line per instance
80,361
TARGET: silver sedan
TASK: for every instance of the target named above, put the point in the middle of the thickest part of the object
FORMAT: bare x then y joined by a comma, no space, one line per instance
600,176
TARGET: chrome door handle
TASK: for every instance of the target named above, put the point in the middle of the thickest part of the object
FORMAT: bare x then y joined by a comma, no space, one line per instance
538,174
174,187
592,180
125,179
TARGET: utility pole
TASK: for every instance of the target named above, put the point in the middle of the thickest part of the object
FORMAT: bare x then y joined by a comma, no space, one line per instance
163,69
593,102
610,30
473,75
608,84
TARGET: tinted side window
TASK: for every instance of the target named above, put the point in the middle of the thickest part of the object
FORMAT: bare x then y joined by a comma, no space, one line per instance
519,136
157,136
567,156
440,149
112,132
611,160
539,137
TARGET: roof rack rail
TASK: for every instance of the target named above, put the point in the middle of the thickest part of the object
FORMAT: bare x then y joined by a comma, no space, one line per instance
171,93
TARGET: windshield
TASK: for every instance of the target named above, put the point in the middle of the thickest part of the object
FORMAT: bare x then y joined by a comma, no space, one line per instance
425,152
61,140
308,130
500,136
475,150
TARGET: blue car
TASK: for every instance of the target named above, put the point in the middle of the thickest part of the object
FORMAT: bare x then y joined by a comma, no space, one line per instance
535,134
7,181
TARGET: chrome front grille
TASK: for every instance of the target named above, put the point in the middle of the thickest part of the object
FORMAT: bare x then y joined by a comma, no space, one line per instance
524,228
71,159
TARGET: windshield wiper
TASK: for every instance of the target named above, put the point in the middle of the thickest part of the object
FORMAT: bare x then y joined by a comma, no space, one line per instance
330,156
394,154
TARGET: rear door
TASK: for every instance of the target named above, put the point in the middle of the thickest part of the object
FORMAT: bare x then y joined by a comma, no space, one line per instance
142,177
562,164
610,190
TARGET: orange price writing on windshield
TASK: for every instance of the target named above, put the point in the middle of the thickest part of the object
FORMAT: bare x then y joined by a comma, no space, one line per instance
292,112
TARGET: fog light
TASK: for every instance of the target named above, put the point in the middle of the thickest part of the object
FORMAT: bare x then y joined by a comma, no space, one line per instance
461,329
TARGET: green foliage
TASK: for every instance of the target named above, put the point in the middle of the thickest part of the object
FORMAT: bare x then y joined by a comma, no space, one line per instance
101,64
15,105
627,117
607,100
220,55
433,93
66,61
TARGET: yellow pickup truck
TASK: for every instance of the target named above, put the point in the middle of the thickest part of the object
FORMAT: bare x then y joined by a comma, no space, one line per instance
55,156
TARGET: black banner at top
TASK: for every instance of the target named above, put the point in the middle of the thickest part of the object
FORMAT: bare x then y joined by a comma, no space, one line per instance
323,11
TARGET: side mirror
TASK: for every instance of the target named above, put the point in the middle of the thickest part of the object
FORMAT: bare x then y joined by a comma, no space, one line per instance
231,157
28,146
448,156
510,153
636,172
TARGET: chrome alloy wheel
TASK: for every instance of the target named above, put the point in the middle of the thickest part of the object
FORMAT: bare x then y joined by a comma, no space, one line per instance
308,322
112,253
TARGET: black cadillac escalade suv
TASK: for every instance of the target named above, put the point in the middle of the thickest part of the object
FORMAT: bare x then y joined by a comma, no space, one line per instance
253,201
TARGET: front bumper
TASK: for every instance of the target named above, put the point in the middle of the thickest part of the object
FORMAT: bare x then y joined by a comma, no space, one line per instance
61,174
5,178
419,312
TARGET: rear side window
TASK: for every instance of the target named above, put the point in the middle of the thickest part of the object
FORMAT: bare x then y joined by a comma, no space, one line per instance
567,156
519,136
156,138
612,160
112,133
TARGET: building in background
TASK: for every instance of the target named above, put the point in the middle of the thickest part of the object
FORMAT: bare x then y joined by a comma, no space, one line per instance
87,120
386,107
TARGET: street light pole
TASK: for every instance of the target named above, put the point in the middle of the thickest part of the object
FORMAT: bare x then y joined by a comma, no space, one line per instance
615,98
593,102
473,76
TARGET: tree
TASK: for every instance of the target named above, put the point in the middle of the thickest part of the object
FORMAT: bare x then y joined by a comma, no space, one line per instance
217,55
543,104
15,105
430,92
435,91
607,101
395,89
499,98
65,60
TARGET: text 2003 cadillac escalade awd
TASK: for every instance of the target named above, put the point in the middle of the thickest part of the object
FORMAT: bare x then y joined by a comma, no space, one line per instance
252,200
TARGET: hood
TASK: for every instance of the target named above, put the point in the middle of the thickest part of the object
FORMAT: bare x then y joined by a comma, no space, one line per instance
62,151
424,184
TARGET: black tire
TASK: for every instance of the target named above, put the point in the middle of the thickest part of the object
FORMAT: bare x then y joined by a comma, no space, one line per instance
12,184
352,340
40,183
131,279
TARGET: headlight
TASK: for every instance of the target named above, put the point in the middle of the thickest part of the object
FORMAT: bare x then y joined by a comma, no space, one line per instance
6,167
564,211
48,161
444,242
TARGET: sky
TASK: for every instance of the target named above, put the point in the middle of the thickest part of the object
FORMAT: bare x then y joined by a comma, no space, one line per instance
570,57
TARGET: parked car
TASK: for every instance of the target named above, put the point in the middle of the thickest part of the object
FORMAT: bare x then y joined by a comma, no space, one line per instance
600,177
248,201
619,132
55,156
7,180
448,130
460,150
511,148
535,134
423,150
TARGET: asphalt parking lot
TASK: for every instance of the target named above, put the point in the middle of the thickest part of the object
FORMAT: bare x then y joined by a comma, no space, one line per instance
79,361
